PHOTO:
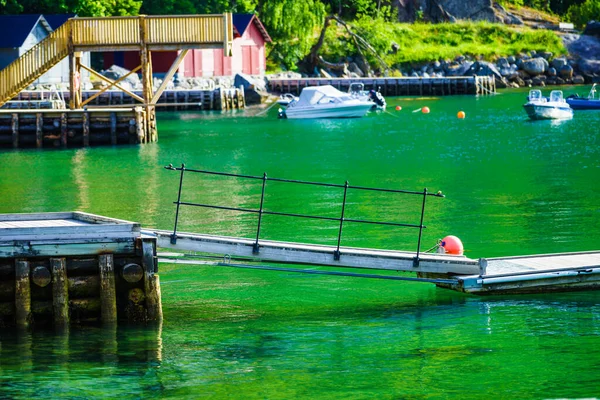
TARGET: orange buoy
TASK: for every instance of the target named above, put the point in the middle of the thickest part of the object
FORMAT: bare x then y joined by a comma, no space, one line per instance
461,115
398,108
452,245
425,110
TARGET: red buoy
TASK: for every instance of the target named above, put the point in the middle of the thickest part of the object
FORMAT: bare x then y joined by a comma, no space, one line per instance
398,108
425,110
452,245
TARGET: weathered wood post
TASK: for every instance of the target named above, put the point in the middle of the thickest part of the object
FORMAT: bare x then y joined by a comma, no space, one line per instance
22,294
151,281
15,130
60,292
108,296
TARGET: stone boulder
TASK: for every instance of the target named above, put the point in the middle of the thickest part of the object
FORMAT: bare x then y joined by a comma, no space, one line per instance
458,69
566,72
484,68
248,82
558,63
535,66
586,50
592,29
115,73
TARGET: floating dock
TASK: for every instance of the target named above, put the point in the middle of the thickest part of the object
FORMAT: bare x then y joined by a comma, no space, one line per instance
73,267
535,274
403,86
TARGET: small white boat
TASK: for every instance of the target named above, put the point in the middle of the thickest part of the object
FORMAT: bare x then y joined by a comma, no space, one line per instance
325,102
285,99
357,90
540,107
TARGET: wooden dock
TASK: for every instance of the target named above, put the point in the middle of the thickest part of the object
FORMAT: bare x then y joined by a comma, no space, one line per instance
177,99
403,86
54,128
74,267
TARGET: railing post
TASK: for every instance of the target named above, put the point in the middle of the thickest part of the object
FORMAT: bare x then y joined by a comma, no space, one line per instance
255,248
174,235
416,259
336,253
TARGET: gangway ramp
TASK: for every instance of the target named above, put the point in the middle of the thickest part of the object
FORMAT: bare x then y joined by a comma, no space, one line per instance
304,253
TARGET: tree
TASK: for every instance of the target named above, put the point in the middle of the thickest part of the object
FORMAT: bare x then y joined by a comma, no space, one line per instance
291,25
581,14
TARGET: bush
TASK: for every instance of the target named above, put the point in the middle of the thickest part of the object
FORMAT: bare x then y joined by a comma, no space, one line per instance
581,14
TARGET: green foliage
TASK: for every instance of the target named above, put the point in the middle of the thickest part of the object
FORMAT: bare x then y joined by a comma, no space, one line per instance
421,42
581,14
291,24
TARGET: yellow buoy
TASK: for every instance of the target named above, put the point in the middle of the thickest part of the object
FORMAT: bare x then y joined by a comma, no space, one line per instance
461,115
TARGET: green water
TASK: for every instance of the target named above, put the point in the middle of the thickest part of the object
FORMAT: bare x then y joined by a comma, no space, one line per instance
512,187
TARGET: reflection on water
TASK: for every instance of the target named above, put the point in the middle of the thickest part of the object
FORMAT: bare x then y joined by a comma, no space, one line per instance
83,362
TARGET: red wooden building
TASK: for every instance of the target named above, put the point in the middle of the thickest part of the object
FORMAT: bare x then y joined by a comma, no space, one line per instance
248,54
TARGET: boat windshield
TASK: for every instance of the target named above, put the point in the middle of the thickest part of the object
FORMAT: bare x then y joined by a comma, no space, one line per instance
535,95
356,87
556,95
592,94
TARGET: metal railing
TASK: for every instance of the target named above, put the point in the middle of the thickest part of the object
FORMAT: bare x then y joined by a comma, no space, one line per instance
261,209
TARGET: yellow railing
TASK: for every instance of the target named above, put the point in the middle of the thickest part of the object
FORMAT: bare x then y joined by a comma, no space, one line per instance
115,33
35,62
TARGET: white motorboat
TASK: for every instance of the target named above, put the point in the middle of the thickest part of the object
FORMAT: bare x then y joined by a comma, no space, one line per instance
325,102
285,99
554,107
357,90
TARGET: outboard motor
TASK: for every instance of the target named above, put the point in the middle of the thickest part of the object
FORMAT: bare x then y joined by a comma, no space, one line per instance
377,98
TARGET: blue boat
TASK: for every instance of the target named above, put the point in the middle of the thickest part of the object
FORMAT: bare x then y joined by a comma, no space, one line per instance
585,103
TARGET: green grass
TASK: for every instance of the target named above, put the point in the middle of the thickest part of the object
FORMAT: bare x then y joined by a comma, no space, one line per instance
421,42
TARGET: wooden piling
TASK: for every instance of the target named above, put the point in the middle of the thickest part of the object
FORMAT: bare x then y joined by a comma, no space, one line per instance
60,292
86,129
108,296
132,273
41,276
151,281
64,127
15,130
113,128
22,294
39,128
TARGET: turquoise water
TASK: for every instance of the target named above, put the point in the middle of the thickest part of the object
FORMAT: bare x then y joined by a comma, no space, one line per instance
512,187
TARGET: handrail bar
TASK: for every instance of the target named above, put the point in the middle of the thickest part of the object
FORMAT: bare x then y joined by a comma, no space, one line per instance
336,185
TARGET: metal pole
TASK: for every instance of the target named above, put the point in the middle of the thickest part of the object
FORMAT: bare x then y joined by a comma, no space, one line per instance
174,235
260,213
336,253
416,260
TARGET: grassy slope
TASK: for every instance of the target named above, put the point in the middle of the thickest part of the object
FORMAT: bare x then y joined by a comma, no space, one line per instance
420,42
